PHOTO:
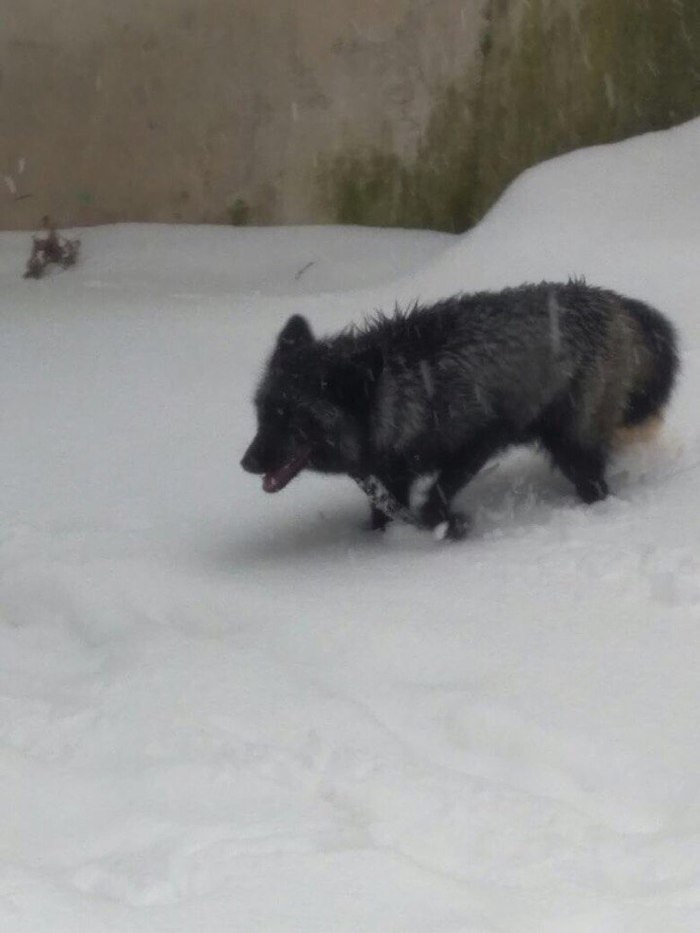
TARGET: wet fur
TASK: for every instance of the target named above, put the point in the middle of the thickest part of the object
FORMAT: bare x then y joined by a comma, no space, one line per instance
440,389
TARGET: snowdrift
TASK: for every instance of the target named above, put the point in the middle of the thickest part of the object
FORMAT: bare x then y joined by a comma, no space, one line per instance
223,711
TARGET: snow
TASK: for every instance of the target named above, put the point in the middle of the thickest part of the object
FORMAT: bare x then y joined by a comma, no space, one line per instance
226,711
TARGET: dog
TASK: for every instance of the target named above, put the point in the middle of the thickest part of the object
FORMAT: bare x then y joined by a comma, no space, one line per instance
412,405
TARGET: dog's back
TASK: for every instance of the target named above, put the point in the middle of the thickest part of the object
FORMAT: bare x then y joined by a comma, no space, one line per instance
512,356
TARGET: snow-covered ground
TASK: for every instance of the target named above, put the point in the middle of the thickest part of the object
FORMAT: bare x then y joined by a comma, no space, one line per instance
222,711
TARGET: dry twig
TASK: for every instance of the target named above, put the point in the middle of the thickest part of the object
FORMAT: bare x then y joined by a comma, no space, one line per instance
50,247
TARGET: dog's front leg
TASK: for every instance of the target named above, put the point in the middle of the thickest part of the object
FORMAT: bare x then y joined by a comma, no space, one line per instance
378,520
435,512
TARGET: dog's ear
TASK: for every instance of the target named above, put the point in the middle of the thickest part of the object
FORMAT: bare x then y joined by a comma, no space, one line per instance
296,333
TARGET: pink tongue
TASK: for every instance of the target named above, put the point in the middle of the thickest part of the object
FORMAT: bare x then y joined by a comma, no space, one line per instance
273,482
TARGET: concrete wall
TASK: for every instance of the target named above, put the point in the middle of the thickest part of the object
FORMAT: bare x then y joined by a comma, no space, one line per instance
212,110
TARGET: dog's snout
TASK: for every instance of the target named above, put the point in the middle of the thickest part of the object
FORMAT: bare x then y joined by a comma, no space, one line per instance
251,461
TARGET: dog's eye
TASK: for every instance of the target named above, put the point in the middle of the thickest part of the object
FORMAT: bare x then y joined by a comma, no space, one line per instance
272,413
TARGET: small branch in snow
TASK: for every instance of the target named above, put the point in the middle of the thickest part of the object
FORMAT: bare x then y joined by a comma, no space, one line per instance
304,269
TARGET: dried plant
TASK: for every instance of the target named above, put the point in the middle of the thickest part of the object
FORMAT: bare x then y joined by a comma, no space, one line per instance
49,247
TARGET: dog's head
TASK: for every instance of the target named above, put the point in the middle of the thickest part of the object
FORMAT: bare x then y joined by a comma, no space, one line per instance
301,421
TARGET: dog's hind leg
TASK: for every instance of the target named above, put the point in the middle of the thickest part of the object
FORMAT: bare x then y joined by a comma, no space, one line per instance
584,466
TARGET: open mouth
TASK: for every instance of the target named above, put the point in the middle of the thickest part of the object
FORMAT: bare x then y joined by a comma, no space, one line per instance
278,479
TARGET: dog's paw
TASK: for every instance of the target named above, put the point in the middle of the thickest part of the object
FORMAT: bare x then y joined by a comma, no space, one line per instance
454,528
592,491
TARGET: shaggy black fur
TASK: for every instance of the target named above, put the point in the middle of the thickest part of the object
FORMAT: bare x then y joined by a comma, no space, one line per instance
431,394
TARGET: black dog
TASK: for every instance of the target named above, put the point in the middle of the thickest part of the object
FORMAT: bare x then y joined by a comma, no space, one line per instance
414,405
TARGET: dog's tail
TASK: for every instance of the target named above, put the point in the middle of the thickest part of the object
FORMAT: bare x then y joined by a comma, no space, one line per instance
656,353
643,433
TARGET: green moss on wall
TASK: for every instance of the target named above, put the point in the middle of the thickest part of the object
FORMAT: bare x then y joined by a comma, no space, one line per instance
554,76
239,213
562,76
434,189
